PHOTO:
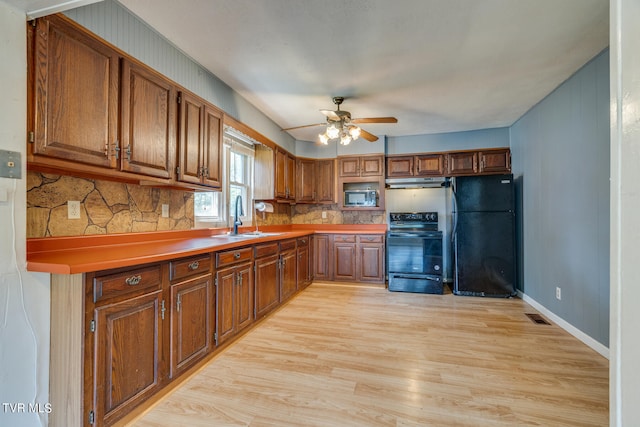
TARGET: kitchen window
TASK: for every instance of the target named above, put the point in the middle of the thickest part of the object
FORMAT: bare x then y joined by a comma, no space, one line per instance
216,208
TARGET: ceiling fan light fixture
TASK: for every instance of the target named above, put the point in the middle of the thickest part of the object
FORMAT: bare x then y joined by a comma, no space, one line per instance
324,139
354,132
345,139
332,131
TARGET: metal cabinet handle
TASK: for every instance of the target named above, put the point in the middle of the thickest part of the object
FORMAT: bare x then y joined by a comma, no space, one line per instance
236,255
194,265
128,152
133,280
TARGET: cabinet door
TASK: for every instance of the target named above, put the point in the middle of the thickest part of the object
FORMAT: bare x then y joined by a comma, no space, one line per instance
495,161
325,181
349,166
244,297
463,163
321,257
212,161
430,165
306,183
288,281
128,351
225,284
400,166
344,261
190,311
148,121
372,166
76,91
304,278
291,177
370,262
281,174
190,141
267,295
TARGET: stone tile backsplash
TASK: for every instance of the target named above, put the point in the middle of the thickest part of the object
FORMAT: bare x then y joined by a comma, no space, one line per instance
105,207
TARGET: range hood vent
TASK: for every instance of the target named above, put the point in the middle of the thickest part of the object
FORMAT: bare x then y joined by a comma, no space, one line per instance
423,182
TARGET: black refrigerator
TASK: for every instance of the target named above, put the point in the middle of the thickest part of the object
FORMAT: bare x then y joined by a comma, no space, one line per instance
484,247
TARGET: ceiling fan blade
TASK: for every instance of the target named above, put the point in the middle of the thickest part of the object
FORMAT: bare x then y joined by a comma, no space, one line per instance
375,120
368,136
332,115
305,126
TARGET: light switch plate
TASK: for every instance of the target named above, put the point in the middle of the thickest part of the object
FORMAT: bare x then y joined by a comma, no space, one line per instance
10,164
165,211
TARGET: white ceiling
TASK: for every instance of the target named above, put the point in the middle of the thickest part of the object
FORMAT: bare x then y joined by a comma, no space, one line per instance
436,65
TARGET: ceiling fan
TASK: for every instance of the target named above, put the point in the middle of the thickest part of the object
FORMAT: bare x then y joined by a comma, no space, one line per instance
341,126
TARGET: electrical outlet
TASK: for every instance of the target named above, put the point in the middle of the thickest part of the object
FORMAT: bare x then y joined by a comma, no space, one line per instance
165,211
324,214
558,293
73,209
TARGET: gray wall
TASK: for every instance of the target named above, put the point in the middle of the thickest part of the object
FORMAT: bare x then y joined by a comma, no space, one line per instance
111,21
560,159
482,138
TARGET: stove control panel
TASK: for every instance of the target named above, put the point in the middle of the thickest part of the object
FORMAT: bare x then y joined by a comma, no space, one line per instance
424,217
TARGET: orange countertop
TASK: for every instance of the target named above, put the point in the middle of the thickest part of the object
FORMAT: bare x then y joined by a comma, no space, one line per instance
83,254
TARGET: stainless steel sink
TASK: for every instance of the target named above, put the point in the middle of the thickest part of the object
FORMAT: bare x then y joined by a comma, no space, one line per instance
260,234
248,235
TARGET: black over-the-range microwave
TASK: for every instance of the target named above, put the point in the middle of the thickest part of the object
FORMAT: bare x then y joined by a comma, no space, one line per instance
360,198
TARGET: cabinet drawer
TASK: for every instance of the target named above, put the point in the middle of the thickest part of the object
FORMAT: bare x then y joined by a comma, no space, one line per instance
344,238
233,256
370,238
287,244
266,249
188,267
125,282
303,241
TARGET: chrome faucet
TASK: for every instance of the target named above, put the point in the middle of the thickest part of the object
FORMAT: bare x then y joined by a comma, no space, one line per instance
239,212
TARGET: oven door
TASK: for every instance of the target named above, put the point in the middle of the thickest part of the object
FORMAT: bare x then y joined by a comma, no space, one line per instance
412,253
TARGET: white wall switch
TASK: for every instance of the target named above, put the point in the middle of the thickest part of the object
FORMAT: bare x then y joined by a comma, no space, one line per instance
324,214
165,211
73,209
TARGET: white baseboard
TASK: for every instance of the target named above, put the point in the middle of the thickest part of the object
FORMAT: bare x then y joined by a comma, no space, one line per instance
586,339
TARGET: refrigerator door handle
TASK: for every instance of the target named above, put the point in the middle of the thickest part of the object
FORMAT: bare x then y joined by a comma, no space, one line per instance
455,213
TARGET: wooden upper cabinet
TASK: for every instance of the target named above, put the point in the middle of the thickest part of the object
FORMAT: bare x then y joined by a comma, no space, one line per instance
212,147
75,95
325,181
199,141
190,139
361,166
495,161
463,163
315,181
285,171
306,182
430,165
148,121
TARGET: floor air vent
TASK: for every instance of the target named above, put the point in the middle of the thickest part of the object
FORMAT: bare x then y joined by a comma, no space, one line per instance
536,318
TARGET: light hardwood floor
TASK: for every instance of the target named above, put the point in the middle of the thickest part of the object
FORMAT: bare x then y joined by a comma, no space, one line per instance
349,355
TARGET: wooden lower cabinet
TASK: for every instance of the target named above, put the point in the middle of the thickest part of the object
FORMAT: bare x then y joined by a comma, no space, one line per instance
267,283
234,293
304,262
370,258
322,251
349,257
128,350
288,269
344,261
190,322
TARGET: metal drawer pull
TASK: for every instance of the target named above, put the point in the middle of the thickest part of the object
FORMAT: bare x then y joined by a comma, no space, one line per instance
133,280
194,265
236,255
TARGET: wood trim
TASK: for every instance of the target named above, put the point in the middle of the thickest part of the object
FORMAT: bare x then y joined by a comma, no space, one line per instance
238,125
66,350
